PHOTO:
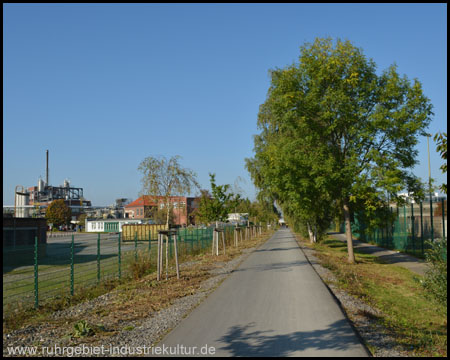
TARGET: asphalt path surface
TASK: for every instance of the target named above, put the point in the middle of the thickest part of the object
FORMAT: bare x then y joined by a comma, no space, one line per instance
273,304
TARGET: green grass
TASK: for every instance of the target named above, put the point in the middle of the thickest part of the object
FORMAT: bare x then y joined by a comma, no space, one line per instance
416,321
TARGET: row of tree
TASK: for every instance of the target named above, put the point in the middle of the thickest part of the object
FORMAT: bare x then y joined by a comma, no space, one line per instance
164,178
217,205
336,136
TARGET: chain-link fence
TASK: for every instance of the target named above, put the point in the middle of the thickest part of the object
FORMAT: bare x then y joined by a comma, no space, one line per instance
65,264
409,228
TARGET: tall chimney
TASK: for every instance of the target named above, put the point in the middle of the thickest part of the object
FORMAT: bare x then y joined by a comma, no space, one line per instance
46,172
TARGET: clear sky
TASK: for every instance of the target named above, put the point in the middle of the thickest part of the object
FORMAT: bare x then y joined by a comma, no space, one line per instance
102,86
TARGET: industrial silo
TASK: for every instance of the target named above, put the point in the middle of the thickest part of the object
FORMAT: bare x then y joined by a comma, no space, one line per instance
22,201
41,185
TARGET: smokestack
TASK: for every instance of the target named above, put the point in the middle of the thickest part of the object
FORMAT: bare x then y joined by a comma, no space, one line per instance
46,172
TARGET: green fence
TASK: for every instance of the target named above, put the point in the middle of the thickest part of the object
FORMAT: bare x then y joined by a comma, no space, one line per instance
409,228
35,274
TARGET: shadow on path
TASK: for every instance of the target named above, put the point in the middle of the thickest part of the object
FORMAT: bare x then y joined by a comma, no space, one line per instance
281,266
241,341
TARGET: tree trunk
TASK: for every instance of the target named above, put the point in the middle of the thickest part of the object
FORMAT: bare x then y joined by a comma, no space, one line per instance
167,257
348,232
168,215
315,233
311,238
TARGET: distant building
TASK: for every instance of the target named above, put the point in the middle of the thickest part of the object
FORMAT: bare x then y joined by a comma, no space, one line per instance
140,208
435,197
34,200
42,197
183,208
238,218
108,225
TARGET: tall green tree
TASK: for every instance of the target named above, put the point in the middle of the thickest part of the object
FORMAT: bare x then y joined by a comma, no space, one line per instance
260,210
58,213
164,178
217,205
331,129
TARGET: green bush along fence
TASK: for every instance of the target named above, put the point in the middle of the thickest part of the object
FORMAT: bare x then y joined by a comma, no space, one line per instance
410,228
34,274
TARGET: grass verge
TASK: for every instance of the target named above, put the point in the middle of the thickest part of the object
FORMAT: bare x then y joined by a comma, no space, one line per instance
417,323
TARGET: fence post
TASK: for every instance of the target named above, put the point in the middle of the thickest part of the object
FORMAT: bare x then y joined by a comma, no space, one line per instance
176,254
36,284
158,258
397,222
167,255
405,228
223,241
443,219
431,218
192,246
135,245
203,234
98,257
119,257
391,225
412,227
71,266
421,226
149,242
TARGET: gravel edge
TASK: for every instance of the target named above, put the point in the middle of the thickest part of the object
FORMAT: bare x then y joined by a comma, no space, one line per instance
362,317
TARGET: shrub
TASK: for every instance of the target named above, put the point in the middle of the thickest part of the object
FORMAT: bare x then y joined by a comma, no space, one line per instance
82,329
435,281
141,267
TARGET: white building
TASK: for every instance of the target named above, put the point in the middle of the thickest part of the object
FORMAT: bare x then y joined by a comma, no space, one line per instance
238,218
108,225
435,197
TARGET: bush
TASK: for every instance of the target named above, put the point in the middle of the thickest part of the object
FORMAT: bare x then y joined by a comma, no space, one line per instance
435,281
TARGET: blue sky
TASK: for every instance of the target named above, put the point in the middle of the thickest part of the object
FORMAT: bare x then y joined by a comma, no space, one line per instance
104,86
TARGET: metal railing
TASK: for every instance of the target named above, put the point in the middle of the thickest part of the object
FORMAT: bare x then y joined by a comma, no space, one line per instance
411,228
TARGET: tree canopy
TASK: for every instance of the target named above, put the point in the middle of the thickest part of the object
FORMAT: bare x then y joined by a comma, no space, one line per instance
217,205
58,213
333,132
166,177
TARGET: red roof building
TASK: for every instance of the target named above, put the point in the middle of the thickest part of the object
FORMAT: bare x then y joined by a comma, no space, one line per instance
183,208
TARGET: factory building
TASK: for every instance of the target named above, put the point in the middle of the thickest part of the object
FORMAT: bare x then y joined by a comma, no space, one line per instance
34,200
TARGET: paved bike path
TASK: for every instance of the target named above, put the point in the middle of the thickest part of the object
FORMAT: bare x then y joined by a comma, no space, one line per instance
273,304
389,256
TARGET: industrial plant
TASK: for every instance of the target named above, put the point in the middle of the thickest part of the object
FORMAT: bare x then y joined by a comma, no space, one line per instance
34,200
